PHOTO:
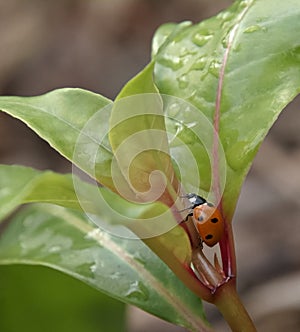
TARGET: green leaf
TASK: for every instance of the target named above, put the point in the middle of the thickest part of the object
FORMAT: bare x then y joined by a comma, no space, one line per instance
19,185
22,185
239,69
34,298
142,83
72,121
124,269
140,144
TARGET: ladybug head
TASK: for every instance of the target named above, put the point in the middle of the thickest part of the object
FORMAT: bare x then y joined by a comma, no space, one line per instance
195,200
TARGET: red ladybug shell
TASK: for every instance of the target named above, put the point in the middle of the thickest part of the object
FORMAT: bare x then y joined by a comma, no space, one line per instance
209,223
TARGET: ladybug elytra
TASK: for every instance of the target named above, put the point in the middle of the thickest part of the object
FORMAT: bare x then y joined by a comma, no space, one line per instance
207,219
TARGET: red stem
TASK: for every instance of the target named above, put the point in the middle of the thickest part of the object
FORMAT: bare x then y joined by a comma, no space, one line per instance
228,251
227,244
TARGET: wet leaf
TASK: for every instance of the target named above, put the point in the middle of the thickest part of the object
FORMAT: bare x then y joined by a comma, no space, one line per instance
140,143
66,119
123,268
139,140
239,69
20,185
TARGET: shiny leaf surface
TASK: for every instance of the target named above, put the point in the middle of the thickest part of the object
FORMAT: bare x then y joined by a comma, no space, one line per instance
240,69
125,269
66,119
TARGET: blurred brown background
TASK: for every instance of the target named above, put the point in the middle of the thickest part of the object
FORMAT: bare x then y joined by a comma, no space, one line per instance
99,45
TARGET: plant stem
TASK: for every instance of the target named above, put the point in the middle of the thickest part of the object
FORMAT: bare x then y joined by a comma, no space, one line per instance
228,251
232,309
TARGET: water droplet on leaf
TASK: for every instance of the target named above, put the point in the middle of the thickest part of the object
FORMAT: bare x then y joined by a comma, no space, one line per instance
116,275
201,39
138,257
182,81
254,28
173,109
94,234
137,290
200,63
214,68
225,16
172,61
54,249
244,3
93,268
225,41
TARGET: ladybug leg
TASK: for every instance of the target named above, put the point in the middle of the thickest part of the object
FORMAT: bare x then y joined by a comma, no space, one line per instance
189,215
200,244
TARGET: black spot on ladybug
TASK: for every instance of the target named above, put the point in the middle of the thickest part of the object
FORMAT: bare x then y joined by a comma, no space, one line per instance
214,220
208,237
200,218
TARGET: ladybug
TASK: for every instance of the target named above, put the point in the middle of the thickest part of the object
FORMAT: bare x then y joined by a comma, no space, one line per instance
207,219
